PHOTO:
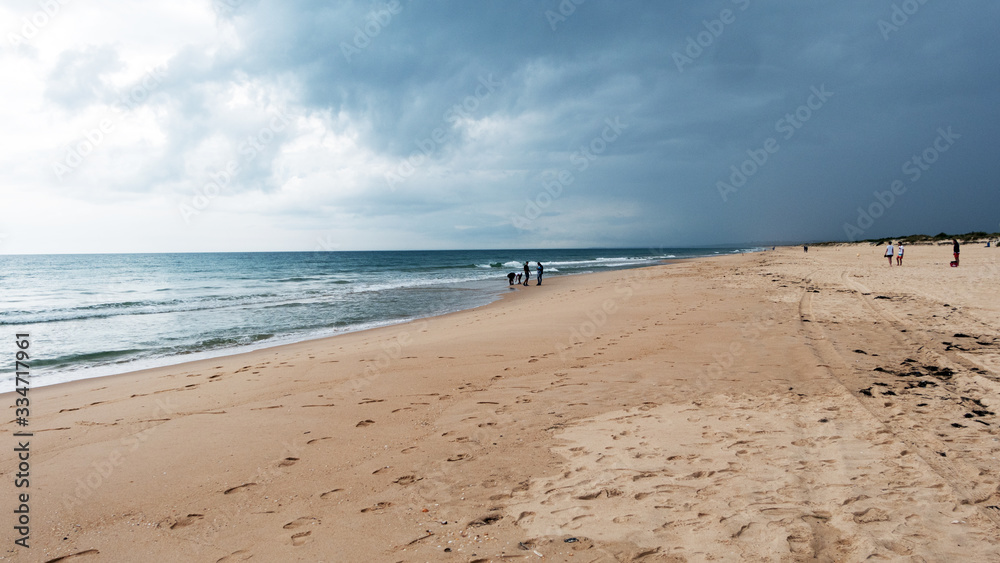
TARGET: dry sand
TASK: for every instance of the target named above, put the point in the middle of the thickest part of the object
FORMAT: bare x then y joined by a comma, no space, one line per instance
780,406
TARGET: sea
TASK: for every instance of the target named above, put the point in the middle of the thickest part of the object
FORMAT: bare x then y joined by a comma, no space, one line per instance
91,315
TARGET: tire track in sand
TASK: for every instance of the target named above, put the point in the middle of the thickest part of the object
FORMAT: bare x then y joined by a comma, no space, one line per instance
959,476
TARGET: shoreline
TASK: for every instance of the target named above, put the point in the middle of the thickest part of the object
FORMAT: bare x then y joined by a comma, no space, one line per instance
208,355
725,409
251,355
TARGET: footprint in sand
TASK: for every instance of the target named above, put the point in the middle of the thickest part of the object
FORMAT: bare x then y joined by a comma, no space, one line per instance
526,517
299,522
300,538
406,480
241,555
239,488
367,422
186,521
288,461
607,492
378,506
328,494
314,440
487,520
871,515
73,556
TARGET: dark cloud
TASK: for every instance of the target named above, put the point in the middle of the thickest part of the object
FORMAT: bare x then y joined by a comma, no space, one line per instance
509,95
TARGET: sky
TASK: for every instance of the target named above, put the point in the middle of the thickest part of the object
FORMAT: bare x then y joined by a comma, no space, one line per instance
272,125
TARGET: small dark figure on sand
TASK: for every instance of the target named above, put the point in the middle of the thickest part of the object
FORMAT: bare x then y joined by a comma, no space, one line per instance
541,269
518,280
527,273
510,278
955,250
805,248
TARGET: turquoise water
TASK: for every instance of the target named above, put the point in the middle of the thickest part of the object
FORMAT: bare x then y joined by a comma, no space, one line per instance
101,314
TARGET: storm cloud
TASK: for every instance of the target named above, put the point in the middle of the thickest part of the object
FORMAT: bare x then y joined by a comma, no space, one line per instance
241,125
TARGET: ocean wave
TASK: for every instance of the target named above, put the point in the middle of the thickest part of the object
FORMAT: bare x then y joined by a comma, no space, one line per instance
226,342
508,264
416,283
107,356
99,311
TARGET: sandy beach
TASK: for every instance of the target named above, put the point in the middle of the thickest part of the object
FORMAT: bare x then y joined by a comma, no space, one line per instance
778,406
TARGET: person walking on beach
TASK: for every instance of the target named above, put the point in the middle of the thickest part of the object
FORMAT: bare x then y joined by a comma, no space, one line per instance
527,272
899,254
541,269
889,252
954,249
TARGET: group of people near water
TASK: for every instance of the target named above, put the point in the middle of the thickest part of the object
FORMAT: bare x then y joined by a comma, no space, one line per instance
511,277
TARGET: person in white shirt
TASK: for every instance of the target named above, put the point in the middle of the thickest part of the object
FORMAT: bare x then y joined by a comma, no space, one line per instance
889,253
899,254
